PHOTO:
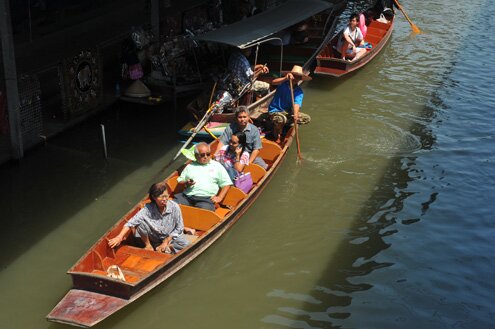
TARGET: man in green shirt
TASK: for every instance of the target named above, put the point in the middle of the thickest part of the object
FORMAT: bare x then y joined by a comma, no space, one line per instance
206,181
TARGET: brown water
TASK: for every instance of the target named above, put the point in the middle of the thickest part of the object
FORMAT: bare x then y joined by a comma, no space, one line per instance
387,223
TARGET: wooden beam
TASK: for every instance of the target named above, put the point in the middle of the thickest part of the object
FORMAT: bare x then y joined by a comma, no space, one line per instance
10,69
155,18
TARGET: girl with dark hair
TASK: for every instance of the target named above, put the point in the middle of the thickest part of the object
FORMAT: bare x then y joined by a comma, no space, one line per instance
234,155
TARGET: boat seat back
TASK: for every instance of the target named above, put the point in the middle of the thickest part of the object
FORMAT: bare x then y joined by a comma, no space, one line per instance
270,151
373,40
257,172
233,197
230,201
379,25
173,186
376,33
199,219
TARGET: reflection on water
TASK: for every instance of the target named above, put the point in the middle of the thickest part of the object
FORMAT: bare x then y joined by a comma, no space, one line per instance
387,223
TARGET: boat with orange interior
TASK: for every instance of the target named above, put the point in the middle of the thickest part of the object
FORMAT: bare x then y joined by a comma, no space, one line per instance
292,33
379,30
105,280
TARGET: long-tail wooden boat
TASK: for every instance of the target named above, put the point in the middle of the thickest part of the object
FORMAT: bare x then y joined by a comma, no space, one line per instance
329,62
263,32
95,295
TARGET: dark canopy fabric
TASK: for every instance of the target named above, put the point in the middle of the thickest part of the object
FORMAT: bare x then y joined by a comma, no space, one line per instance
245,33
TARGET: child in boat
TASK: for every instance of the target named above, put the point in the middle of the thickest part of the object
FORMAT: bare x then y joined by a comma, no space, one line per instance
352,41
234,156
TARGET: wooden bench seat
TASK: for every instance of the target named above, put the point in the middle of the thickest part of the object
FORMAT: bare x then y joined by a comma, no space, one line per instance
270,151
233,197
257,172
199,219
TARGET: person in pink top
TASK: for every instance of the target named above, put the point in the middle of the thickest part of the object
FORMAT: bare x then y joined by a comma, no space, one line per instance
234,156
362,25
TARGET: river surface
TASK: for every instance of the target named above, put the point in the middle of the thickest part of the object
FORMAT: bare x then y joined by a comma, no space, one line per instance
388,222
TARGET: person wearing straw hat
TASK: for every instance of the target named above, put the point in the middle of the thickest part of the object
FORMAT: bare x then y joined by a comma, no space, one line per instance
280,110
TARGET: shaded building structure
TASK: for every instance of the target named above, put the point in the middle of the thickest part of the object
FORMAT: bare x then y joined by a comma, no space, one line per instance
60,60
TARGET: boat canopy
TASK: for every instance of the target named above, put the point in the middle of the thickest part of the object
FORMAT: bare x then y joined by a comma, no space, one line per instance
247,32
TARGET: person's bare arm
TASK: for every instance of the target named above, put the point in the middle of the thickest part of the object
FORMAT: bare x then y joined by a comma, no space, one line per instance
115,242
253,155
219,197
166,243
237,163
296,112
280,80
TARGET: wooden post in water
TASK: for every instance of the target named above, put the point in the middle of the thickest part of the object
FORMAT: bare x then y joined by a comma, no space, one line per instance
155,18
10,69
104,139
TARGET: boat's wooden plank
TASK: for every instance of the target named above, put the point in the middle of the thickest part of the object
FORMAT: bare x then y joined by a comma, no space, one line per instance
138,263
199,219
85,308
329,71
130,250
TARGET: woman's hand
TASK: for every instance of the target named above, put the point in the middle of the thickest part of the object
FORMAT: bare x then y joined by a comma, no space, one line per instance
163,247
238,152
115,242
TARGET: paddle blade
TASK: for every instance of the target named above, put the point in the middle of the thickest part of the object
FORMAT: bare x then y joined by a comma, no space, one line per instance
415,29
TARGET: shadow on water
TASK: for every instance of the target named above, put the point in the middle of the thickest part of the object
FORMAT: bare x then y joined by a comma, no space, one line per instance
366,238
58,181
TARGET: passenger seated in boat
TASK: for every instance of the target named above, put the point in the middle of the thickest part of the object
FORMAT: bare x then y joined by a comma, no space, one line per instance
206,181
253,138
243,71
351,43
382,11
280,110
363,24
159,223
300,34
234,156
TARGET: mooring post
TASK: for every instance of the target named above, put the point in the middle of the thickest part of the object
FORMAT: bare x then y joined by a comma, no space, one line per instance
155,18
10,71
104,141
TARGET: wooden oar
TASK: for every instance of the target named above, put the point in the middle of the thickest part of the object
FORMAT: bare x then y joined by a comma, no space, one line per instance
212,92
198,127
201,124
413,26
299,156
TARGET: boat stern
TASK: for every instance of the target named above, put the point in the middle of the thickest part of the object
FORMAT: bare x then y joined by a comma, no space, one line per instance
84,308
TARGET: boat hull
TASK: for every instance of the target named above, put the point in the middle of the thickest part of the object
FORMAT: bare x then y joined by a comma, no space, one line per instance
329,65
95,296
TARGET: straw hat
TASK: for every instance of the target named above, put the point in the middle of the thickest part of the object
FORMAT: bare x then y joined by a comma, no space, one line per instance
298,71
137,89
